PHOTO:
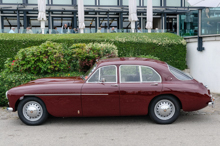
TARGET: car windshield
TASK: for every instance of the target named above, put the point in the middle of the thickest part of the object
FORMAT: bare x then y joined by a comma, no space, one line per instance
88,73
179,74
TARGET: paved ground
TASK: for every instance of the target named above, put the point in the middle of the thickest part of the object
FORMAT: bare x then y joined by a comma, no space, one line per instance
200,128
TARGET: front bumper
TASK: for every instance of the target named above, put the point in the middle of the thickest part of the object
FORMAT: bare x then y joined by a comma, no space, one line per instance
212,102
10,109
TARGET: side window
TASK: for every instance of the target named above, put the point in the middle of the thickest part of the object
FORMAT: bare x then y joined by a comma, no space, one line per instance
129,73
95,77
149,75
109,73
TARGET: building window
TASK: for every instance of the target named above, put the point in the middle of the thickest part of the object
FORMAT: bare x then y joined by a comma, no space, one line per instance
88,2
12,1
113,22
189,24
9,22
62,2
155,2
173,3
210,21
34,1
108,2
126,2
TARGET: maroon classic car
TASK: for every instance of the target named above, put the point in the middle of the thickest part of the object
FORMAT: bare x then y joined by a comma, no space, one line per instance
112,87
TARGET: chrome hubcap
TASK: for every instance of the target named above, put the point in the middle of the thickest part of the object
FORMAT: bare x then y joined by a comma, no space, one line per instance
32,111
164,109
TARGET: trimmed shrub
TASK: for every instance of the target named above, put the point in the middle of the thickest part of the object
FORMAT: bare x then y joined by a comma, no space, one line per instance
168,47
43,59
149,57
88,54
10,80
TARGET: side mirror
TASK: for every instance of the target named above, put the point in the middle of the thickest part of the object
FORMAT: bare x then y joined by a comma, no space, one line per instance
103,80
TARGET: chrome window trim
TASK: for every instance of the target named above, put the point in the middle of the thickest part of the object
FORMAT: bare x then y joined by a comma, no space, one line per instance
99,74
140,73
155,72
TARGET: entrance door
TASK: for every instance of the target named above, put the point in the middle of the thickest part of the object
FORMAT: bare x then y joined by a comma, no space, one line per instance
100,94
138,85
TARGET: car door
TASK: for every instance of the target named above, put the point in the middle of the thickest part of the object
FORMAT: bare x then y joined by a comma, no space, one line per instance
138,85
101,98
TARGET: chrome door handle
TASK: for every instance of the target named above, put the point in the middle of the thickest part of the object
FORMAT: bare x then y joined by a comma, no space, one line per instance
154,84
114,85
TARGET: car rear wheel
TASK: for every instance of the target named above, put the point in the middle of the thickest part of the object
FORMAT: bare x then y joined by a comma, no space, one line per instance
164,109
32,111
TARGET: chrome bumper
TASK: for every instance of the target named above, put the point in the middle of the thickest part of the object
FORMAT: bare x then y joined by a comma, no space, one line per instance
212,102
10,109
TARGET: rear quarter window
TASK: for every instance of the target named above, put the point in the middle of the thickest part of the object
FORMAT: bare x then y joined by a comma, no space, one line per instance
179,74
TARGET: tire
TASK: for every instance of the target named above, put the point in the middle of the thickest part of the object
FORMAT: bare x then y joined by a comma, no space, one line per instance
32,111
164,109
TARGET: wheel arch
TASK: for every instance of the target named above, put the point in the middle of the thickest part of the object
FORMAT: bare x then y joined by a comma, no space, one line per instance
23,97
180,103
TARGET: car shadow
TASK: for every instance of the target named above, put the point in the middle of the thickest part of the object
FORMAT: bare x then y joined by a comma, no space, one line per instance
129,120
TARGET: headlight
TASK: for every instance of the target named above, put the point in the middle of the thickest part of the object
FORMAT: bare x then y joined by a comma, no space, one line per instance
6,94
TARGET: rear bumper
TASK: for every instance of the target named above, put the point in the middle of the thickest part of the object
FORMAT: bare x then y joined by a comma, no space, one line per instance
212,102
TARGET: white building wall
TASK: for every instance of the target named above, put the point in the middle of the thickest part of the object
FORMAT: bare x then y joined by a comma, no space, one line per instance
205,66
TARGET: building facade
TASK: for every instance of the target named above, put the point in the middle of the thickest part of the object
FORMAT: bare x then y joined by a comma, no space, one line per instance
173,16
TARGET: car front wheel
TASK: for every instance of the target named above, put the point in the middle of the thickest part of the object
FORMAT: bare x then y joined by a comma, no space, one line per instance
32,111
164,109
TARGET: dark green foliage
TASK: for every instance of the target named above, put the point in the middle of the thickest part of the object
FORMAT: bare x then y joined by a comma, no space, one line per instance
43,59
168,47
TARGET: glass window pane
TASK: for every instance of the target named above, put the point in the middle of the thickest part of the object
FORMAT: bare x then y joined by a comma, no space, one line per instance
88,2
10,22
187,4
189,24
95,77
179,74
35,1
149,74
210,21
155,2
126,2
108,2
90,25
130,73
62,2
174,3
12,1
109,73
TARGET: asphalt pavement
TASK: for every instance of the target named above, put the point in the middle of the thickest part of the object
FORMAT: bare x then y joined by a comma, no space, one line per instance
199,128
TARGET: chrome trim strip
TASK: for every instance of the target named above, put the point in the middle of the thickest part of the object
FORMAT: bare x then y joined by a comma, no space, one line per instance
51,94
94,94
60,94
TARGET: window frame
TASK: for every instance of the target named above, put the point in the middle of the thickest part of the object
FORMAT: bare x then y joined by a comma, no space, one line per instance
140,73
99,69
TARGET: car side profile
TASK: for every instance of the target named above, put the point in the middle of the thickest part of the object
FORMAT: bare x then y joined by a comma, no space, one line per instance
112,87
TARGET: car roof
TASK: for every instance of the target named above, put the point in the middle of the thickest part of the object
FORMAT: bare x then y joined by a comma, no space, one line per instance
131,61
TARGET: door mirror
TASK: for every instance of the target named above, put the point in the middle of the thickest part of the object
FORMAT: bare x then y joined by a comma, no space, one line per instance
103,80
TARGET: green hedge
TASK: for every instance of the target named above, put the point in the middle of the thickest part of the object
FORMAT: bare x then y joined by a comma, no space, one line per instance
168,47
